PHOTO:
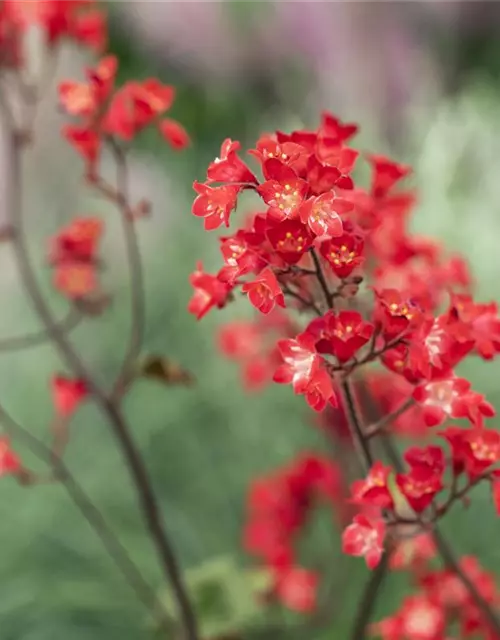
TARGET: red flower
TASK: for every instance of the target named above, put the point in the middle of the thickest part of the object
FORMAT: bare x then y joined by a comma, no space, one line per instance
331,127
209,292
68,394
288,153
413,553
481,450
482,321
75,280
86,142
365,538
451,397
301,362
322,178
215,204
72,253
386,174
264,292
373,490
343,254
174,133
135,106
9,461
396,313
229,167
322,214
422,619
341,335
291,239
77,242
297,588
419,487
319,391
283,191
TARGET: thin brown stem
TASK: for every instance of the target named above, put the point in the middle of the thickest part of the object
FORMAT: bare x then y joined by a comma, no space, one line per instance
18,343
380,426
322,280
360,442
369,598
92,515
137,297
142,483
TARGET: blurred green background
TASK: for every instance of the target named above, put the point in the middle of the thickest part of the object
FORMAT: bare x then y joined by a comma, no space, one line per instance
204,445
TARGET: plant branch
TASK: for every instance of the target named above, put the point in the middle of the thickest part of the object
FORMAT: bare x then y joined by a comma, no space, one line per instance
322,280
381,425
360,441
142,483
92,515
453,565
369,598
138,303
18,343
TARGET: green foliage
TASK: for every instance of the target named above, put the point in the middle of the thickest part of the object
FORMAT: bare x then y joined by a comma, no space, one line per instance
224,596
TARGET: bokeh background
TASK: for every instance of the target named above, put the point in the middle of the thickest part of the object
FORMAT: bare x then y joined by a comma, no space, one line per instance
423,80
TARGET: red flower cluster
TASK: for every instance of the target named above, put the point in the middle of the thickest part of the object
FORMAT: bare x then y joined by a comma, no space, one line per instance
277,508
78,20
313,247
441,604
106,113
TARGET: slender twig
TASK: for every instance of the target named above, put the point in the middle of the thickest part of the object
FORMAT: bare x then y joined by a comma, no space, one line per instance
18,343
369,598
137,297
143,486
308,304
452,563
381,425
92,515
322,280
360,442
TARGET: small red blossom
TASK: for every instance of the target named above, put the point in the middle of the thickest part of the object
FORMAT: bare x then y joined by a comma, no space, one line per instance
341,335
386,174
319,391
481,450
209,292
451,397
68,394
365,538
290,239
300,363
396,313
373,490
264,292
323,214
343,254
9,461
215,204
297,589
482,321
420,486
283,191
229,167
73,256
174,133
